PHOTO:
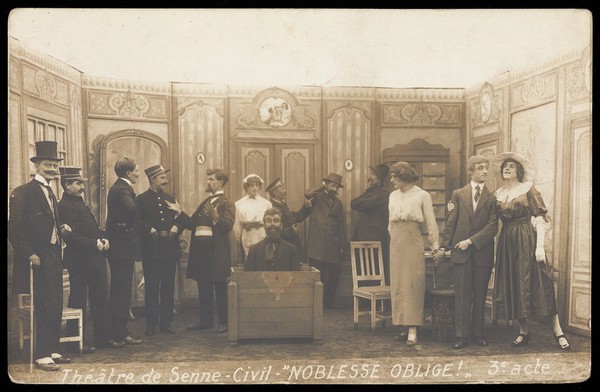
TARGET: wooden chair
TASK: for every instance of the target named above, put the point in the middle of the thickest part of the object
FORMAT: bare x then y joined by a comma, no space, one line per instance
368,280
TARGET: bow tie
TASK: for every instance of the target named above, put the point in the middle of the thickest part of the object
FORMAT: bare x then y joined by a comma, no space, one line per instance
252,197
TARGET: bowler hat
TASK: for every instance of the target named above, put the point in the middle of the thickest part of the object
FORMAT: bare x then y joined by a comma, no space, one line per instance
382,170
334,177
45,150
71,173
154,171
272,186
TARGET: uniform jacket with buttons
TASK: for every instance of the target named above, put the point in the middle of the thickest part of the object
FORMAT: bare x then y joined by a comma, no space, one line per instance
154,213
81,252
122,222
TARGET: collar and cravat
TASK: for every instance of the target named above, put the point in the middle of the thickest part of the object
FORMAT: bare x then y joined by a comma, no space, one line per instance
53,204
477,188
270,250
477,193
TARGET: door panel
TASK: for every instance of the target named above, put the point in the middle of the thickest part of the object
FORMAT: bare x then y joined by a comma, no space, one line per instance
580,270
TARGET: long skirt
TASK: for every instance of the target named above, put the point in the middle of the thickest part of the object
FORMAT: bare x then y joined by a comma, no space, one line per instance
407,273
522,286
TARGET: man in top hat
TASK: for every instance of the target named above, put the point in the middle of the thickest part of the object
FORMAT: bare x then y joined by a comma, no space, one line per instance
326,234
273,253
84,257
372,218
289,219
471,225
34,232
122,230
161,223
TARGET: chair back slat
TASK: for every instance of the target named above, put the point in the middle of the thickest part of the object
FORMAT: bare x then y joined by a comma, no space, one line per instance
367,263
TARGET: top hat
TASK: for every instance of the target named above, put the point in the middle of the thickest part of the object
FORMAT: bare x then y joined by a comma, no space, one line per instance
71,173
527,166
334,177
272,186
382,170
155,170
45,150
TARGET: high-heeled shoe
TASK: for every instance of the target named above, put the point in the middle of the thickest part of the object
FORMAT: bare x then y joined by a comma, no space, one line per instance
565,346
524,340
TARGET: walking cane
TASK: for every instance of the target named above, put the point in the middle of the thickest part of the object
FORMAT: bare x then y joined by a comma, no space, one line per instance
31,313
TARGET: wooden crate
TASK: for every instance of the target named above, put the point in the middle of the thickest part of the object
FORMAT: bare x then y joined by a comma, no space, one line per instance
275,304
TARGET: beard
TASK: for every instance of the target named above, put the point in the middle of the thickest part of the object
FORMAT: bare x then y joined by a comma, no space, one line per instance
273,234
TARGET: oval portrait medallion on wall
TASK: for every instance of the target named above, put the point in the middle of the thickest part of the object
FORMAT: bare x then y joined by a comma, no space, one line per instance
275,112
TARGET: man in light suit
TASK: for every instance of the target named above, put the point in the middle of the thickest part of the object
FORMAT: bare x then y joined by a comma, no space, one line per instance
122,230
471,225
34,233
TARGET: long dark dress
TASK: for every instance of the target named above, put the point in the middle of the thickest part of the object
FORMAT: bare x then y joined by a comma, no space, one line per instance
522,286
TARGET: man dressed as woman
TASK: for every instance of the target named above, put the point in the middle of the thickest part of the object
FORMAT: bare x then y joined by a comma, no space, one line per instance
523,283
409,208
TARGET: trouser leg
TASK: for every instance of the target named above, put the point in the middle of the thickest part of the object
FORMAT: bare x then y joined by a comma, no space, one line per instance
121,276
78,287
221,300
167,292
98,295
463,301
206,298
152,276
481,278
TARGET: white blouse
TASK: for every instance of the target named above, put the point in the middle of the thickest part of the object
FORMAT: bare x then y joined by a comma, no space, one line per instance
505,195
414,205
249,210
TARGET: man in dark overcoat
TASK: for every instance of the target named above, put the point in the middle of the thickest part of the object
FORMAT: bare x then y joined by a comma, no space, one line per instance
84,257
122,230
372,214
210,251
289,219
471,225
161,222
326,234
272,253
34,233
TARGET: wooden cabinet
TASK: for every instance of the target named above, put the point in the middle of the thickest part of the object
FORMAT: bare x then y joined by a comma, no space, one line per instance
431,163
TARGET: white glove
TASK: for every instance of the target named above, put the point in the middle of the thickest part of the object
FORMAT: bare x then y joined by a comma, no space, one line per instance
540,254
99,245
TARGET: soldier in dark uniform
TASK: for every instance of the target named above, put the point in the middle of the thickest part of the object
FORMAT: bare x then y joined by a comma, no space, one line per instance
161,222
84,257
35,236
122,229
289,219
210,251
273,253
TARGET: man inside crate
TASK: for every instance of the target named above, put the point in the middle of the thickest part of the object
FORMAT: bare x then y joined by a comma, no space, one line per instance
273,253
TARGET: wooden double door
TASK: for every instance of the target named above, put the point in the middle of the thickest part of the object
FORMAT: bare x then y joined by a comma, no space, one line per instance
294,163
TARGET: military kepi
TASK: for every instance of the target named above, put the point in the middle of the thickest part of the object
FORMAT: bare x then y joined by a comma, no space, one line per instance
45,150
155,170
71,173
272,186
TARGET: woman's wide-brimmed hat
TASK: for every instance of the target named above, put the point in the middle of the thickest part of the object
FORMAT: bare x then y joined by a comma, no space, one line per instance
527,166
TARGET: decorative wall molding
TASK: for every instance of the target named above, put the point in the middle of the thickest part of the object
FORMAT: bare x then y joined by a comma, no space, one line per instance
363,106
420,94
487,108
579,77
14,73
517,74
127,105
300,92
354,93
421,114
183,103
282,135
274,108
534,90
44,61
199,90
45,85
94,82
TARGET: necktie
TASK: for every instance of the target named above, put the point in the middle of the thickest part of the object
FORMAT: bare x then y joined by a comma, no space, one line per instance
54,202
477,193
270,251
